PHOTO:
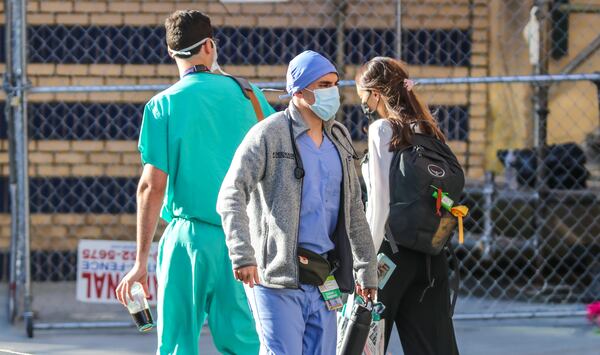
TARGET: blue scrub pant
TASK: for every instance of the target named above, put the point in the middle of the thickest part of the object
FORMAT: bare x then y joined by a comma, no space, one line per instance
292,321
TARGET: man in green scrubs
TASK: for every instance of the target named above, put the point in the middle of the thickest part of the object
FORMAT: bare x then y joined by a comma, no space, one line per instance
188,137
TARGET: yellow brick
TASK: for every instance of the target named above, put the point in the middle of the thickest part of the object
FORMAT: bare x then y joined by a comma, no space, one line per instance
273,21
105,69
68,219
123,170
45,158
141,19
269,71
477,124
291,8
139,70
131,159
245,71
257,9
480,36
477,136
41,219
32,6
223,9
41,19
56,6
49,231
70,158
53,170
240,21
475,173
169,70
87,170
41,69
72,69
101,219
479,60
478,110
5,219
311,21
479,72
160,7
107,19
73,19
52,81
87,146
53,146
104,158
480,11
480,47
90,6
87,232
128,219
151,81
118,232
122,6
87,80
121,146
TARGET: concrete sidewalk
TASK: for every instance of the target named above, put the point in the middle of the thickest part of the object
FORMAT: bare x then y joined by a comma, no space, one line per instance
56,301
531,337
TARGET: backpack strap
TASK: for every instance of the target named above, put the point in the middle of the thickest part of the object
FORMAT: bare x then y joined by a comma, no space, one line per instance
250,95
388,234
456,281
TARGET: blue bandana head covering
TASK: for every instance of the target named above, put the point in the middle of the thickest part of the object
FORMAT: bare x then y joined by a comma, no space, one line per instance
305,68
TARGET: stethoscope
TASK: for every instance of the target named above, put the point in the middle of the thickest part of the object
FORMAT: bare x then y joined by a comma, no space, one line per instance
299,171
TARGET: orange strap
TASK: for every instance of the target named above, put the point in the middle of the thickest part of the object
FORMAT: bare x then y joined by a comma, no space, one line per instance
255,104
460,212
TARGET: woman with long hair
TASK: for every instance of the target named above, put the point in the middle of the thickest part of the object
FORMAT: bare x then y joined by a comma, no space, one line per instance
422,318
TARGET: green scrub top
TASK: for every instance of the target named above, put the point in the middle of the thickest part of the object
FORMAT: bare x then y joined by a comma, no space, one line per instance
191,131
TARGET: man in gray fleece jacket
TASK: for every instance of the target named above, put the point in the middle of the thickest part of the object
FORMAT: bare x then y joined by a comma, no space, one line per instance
292,186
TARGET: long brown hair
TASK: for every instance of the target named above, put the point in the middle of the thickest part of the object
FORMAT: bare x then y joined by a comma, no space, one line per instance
387,76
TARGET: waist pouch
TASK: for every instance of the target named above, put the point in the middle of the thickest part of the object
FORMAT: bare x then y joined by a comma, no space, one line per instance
313,268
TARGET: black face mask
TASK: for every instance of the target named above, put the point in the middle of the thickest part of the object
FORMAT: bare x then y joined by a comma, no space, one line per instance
371,114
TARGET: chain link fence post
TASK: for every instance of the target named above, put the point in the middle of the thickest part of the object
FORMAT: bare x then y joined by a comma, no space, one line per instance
16,87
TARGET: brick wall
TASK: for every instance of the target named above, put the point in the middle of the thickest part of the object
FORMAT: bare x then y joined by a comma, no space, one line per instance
372,21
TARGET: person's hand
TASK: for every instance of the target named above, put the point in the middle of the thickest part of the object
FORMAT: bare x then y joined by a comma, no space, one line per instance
138,273
247,274
367,293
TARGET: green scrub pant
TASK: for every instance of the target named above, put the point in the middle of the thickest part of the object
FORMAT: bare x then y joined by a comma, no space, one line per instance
195,279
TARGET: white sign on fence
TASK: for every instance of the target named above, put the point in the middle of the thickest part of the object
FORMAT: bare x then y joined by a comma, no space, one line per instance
102,263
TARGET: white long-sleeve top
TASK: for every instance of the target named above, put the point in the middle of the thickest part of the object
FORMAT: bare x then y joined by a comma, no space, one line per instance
376,172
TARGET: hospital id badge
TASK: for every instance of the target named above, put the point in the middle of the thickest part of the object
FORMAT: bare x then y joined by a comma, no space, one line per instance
331,294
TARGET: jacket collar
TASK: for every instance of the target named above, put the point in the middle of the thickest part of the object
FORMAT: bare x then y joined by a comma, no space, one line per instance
299,126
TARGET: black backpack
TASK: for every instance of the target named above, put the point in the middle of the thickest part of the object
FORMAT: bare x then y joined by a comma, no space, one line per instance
418,220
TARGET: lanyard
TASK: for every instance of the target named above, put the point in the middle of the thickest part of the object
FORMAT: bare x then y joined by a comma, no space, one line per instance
195,69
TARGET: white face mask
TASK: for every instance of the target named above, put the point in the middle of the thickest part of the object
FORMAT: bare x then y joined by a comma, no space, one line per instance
327,102
186,51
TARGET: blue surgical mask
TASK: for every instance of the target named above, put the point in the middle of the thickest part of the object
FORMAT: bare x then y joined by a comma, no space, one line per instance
327,102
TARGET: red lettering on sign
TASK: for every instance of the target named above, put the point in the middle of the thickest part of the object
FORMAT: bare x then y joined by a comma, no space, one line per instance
112,285
99,283
88,277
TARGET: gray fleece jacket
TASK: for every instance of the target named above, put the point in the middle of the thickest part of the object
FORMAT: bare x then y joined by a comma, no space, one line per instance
259,204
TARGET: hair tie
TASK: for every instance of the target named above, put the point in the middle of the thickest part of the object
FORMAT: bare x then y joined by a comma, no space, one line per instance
409,84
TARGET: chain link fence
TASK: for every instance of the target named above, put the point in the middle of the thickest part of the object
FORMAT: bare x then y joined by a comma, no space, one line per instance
512,84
